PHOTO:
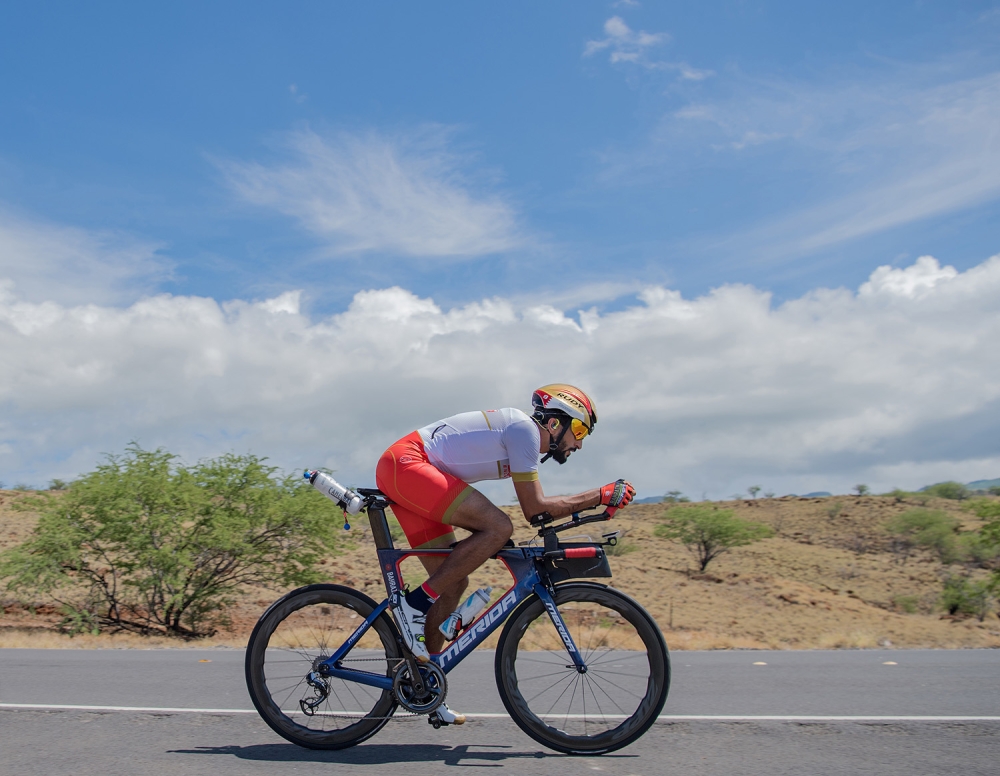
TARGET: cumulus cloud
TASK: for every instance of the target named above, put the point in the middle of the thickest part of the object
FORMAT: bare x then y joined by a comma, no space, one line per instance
885,385
369,192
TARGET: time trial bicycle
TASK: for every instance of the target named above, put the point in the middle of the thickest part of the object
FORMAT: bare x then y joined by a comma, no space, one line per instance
581,667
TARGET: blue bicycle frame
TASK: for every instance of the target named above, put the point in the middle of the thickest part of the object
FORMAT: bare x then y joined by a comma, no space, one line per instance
520,562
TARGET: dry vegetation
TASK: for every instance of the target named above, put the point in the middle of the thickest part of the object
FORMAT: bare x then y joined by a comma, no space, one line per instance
828,579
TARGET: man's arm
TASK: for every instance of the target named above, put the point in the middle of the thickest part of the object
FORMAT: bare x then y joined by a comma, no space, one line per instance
533,501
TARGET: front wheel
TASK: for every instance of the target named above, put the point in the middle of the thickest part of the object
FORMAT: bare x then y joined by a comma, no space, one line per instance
291,639
608,706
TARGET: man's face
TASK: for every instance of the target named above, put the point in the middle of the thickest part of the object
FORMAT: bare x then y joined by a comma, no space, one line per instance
567,444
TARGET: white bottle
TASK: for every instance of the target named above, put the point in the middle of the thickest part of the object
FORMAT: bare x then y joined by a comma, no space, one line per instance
466,614
345,498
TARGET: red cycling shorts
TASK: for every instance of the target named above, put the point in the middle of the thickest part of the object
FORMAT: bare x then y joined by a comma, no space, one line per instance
423,497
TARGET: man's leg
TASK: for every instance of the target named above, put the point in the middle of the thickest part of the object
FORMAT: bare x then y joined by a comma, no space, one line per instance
447,602
449,576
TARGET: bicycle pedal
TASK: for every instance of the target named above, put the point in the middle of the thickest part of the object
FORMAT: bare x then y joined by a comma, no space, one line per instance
436,722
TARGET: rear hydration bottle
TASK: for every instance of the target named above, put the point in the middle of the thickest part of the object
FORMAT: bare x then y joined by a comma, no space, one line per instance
464,616
345,498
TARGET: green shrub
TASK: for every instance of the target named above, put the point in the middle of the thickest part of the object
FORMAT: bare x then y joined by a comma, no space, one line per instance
985,509
146,544
979,550
708,532
899,496
929,529
955,491
962,595
909,604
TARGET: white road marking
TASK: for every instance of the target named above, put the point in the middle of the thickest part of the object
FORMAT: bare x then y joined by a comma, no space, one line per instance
491,715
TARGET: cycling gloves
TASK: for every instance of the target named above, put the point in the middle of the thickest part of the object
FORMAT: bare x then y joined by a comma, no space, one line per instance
617,494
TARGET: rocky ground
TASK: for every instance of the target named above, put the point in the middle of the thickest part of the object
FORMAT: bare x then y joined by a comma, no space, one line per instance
827,579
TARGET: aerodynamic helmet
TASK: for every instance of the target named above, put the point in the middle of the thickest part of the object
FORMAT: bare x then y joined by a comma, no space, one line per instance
560,399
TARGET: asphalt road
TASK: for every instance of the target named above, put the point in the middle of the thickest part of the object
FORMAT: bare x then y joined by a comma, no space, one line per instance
797,688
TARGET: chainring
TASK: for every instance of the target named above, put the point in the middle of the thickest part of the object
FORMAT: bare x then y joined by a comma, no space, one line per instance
434,681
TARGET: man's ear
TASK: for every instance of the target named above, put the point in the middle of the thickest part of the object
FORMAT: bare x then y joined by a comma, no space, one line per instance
554,423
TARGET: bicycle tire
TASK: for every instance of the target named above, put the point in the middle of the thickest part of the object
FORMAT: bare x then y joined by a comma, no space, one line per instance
297,631
626,683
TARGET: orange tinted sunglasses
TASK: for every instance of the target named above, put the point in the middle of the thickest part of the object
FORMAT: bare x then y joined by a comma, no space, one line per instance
578,429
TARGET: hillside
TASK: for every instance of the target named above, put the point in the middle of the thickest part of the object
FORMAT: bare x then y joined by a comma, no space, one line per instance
826,580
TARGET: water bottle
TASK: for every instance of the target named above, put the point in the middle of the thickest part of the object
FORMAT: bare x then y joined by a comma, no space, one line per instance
466,614
345,498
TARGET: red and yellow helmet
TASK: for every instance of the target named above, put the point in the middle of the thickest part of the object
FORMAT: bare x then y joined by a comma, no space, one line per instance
567,400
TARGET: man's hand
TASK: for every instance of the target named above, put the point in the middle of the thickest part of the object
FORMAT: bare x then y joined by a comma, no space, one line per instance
617,494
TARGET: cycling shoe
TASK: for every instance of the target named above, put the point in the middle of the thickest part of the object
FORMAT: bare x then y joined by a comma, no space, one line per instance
411,626
442,715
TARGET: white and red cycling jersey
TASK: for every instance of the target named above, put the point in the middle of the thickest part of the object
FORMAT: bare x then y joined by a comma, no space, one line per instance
484,445
426,474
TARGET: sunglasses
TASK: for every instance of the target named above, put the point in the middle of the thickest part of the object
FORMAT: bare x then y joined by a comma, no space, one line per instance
578,429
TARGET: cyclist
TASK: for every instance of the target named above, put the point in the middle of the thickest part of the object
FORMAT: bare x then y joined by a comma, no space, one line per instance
426,475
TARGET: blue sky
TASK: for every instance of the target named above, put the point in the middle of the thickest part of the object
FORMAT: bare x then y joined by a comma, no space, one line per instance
568,154
118,118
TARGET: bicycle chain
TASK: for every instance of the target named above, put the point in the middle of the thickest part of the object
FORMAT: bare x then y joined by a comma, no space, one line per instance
387,716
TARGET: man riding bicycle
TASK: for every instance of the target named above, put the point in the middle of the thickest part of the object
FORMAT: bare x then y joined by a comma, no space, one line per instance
426,475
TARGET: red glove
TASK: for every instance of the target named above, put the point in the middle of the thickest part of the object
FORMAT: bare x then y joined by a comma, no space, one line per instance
617,494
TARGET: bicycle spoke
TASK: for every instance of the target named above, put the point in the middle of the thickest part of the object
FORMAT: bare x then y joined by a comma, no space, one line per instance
602,708
303,630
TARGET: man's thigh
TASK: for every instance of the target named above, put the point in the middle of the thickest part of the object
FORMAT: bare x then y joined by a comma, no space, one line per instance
477,513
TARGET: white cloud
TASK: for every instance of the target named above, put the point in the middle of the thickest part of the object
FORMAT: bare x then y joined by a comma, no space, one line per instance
885,151
624,44
362,193
886,385
49,262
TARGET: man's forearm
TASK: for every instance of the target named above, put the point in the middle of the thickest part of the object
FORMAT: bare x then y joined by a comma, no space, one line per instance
560,506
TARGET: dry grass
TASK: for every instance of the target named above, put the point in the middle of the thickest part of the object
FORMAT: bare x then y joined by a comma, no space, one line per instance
826,580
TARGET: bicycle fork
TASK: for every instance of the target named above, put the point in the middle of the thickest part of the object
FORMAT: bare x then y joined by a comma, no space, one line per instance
560,625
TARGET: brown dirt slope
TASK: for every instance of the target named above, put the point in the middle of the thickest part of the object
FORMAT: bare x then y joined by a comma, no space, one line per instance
826,580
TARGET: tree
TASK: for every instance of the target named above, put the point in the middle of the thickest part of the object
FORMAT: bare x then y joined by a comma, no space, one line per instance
707,531
146,544
930,529
753,490
962,595
861,490
955,491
